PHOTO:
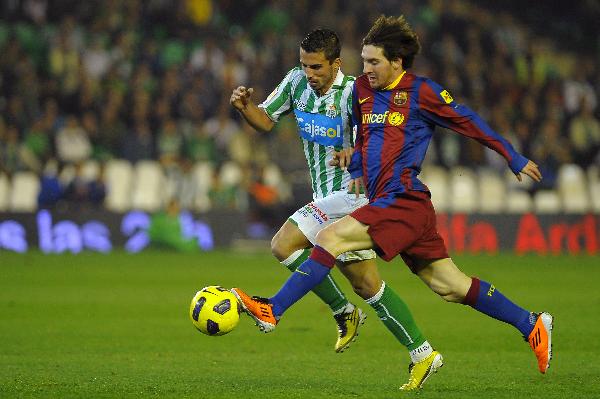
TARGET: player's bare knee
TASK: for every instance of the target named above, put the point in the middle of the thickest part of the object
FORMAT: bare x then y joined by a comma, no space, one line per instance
279,249
365,285
279,255
365,290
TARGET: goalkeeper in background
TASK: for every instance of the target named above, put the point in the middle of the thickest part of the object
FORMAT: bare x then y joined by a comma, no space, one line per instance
319,95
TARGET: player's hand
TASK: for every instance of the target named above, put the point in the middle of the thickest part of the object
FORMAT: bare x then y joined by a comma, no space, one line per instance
355,185
240,97
531,170
342,158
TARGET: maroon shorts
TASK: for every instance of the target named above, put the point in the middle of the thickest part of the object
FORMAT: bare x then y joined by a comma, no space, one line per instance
404,225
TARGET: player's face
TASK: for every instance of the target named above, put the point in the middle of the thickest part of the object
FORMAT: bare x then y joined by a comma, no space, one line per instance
319,71
380,71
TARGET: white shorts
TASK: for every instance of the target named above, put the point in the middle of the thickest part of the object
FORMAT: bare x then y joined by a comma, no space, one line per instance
315,216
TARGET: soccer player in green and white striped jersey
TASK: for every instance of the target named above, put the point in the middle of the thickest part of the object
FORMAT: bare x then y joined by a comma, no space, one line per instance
321,102
320,96
323,121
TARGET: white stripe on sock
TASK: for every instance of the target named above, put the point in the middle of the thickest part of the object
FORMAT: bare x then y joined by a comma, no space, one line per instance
377,296
292,258
340,293
397,322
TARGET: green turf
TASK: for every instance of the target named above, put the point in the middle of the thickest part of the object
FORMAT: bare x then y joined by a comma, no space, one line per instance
117,325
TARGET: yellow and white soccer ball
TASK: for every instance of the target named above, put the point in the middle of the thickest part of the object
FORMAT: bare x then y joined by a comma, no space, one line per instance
214,310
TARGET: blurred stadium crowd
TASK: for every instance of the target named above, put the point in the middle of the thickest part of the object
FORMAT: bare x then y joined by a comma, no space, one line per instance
125,103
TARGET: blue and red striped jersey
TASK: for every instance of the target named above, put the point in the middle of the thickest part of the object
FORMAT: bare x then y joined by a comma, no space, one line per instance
394,127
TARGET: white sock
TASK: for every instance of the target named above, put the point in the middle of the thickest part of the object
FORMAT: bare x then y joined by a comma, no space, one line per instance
420,353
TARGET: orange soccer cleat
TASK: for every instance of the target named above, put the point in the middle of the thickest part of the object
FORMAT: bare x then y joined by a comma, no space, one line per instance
260,309
540,340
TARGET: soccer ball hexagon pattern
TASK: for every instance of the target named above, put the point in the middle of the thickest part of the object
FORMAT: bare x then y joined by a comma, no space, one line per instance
214,310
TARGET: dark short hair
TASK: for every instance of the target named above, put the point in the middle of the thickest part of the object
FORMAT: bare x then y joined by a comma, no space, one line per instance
397,39
324,40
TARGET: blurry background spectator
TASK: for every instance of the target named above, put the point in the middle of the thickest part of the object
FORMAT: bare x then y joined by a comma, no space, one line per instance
72,142
146,80
584,133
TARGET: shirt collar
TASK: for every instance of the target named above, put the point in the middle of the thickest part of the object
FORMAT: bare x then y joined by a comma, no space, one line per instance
337,82
395,82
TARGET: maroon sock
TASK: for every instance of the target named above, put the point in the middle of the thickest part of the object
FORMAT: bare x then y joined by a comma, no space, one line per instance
473,292
322,256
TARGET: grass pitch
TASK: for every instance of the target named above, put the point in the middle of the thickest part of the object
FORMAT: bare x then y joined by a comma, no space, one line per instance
117,325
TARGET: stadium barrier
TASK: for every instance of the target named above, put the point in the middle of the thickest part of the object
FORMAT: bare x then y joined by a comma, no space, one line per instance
103,231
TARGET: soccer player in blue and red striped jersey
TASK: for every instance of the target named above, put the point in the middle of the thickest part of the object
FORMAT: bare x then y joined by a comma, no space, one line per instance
395,113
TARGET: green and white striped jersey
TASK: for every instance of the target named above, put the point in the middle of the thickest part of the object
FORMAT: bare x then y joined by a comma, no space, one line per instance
324,124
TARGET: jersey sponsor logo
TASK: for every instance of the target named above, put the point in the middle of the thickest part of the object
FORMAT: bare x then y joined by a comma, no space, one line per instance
320,129
396,118
332,111
311,210
393,118
362,100
319,211
446,96
400,98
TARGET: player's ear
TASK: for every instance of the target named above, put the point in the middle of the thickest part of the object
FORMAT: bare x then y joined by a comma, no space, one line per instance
337,63
397,63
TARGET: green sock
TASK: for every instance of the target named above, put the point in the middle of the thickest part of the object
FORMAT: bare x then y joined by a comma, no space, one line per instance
396,316
327,290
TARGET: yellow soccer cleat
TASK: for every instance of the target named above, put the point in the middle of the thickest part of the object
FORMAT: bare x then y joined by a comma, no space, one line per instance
258,308
348,328
540,340
420,371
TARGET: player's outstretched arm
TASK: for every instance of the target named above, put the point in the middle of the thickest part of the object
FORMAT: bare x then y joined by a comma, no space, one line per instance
531,169
255,116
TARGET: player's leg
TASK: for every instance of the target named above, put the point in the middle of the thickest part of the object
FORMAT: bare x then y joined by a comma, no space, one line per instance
448,281
291,247
350,234
345,234
267,312
391,309
376,226
310,220
363,276
396,316
395,227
